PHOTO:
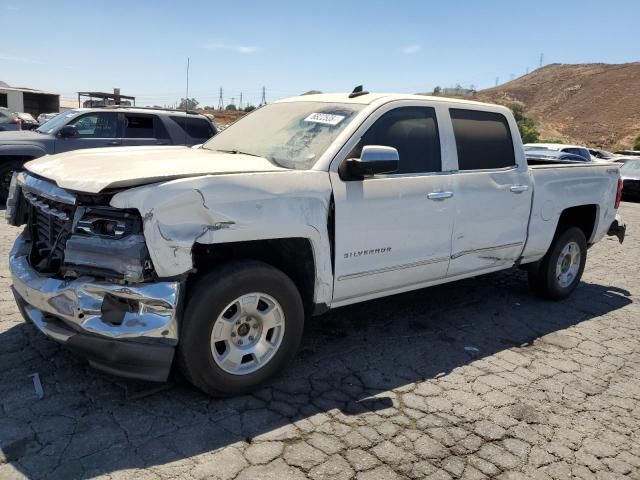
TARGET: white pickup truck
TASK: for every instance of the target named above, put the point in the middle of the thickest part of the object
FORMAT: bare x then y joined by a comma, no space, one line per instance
215,255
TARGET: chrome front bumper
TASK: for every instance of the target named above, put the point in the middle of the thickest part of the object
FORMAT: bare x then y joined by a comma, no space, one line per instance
75,312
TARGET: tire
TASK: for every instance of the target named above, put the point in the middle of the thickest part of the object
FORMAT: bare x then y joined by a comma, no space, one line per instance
560,270
208,358
6,172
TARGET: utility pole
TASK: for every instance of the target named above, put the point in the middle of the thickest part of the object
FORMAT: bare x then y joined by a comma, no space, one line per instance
541,59
263,100
240,102
233,100
527,73
220,101
497,81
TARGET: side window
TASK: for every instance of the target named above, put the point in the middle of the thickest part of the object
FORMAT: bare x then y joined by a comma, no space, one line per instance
138,126
413,131
483,140
582,152
97,125
197,128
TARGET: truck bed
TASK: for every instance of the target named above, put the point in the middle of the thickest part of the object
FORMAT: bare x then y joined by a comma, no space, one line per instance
563,185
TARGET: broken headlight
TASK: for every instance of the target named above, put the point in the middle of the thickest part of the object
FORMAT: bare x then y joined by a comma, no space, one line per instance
107,222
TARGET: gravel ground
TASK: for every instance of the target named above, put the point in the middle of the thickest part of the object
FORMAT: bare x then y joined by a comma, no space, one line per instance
477,379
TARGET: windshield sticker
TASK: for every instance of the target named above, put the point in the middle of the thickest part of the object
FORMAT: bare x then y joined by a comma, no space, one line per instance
325,118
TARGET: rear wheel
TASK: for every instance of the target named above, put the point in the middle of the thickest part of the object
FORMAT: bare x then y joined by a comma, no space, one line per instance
561,268
242,325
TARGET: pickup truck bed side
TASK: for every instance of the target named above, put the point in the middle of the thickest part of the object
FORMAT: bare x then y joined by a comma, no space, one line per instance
561,187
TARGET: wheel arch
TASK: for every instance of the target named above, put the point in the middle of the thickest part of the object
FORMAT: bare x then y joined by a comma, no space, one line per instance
584,217
293,256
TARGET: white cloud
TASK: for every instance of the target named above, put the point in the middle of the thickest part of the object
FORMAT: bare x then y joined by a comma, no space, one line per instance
244,49
411,49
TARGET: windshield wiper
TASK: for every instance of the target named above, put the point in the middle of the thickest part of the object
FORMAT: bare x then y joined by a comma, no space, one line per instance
238,152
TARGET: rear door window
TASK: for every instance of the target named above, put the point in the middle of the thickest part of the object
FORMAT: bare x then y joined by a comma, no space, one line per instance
139,126
483,140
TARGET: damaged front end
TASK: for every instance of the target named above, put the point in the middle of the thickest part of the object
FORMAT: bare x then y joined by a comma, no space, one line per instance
82,274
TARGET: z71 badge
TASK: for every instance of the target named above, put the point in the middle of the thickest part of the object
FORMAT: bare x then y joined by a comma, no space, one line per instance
373,251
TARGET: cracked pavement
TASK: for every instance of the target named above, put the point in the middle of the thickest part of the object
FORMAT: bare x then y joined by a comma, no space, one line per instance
475,379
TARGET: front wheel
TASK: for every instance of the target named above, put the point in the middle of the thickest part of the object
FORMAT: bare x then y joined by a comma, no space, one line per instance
561,268
6,172
242,325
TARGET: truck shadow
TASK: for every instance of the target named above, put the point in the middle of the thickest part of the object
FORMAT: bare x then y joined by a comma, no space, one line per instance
350,362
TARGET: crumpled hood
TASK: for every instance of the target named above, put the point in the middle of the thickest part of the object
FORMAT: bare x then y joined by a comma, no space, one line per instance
97,169
21,137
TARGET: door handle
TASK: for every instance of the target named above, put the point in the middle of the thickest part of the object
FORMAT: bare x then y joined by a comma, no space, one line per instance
519,188
439,195
114,142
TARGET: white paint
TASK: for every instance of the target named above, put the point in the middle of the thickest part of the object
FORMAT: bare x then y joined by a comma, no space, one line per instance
389,237
96,169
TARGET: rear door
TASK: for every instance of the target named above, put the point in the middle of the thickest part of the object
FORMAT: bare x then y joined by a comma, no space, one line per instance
393,231
95,129
493,192
143,129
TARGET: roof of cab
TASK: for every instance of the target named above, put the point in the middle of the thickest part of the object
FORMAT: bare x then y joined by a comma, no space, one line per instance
369,98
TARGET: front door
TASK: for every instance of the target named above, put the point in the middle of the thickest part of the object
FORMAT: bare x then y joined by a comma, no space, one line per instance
393,231
96,129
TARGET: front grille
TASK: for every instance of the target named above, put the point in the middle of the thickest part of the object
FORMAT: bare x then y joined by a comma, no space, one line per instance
50,226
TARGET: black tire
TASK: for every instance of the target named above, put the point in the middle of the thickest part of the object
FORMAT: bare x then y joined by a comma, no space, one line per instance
543,280
213,292
6,172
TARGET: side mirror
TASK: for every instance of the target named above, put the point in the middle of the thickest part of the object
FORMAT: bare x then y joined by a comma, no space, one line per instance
373,160
68,131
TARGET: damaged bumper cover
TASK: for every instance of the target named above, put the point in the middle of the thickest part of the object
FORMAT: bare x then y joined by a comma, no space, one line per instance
617,228
127,330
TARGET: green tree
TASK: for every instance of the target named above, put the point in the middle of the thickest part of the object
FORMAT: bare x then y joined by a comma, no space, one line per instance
636,144
232,107
437,91
528,126
188,104
249,108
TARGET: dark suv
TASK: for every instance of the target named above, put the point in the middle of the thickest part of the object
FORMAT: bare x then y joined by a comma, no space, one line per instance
100,127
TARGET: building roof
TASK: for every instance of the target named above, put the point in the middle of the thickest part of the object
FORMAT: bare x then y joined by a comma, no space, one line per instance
5,87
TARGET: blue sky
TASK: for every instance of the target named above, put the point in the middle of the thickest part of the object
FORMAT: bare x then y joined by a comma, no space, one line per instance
291,47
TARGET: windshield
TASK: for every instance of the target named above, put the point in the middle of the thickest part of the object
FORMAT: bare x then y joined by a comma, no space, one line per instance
291,135
631,167
57,122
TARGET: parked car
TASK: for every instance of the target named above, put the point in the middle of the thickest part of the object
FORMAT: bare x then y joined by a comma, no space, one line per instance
630,153
602,155
561,147
552,156
100,127
215,255
9,121
630,172
28,122
45,117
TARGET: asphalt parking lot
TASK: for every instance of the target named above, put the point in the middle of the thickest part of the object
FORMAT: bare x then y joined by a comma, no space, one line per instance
477,379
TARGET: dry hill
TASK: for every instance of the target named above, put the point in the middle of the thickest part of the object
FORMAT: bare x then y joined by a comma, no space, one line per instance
595,104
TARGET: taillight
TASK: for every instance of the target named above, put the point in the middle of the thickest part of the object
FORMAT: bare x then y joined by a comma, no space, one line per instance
619,193
17,121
